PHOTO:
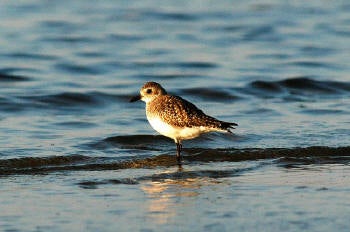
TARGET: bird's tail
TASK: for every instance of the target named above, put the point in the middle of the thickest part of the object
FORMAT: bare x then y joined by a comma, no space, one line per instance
227,126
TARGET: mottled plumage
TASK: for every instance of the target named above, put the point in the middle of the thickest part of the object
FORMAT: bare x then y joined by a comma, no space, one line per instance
178,112
175,117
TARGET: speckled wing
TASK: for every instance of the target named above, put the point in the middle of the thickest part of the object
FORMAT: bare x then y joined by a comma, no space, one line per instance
176,111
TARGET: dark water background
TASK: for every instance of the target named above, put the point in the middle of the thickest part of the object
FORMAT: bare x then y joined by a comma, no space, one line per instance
76,156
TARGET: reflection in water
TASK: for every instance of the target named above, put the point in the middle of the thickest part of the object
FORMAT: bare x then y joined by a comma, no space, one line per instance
163,196
160,202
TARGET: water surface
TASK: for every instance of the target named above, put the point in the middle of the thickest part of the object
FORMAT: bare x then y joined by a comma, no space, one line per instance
76,155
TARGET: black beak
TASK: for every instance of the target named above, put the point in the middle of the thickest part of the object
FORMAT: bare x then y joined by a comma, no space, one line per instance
136,98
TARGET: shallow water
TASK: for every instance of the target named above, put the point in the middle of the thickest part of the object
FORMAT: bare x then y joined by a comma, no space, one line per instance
76,155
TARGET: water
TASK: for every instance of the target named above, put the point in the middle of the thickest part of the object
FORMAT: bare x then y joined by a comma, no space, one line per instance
76,155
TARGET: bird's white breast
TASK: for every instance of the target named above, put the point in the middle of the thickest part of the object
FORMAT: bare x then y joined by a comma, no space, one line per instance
176,133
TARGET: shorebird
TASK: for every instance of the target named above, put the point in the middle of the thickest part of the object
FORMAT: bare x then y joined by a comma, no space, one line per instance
176,118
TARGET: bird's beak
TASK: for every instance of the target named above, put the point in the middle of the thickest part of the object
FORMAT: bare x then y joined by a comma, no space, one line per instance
136,98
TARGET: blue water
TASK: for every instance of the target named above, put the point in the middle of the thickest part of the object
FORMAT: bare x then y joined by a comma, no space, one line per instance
78,154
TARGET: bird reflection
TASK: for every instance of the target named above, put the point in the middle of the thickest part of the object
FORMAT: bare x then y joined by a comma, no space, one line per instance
166,193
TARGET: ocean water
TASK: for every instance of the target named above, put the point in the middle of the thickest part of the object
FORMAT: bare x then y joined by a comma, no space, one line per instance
75,155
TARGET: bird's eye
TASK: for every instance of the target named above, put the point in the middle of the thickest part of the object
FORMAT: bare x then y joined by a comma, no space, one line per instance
149,91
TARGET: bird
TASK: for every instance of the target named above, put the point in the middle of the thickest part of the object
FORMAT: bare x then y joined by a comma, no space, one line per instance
177,118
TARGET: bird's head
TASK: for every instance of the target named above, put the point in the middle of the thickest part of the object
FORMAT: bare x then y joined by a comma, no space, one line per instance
149,91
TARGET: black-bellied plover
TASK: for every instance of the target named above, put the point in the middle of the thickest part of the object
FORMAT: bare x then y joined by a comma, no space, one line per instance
176,118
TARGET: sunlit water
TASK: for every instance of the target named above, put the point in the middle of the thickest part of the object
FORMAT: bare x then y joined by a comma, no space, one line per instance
76,155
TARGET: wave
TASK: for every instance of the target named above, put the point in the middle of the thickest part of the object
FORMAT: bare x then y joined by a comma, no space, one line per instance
291,89
69,39
156,142
79,69
300,85
160,15
284,157
211,94
144,142
136,139
62,100
175,175
184,65
31,162
162,77
75,98
4,77
31,56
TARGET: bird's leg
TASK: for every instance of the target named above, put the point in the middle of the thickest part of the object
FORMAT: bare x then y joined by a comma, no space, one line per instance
178,152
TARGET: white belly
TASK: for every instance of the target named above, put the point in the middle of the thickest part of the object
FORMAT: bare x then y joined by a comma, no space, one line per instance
176,133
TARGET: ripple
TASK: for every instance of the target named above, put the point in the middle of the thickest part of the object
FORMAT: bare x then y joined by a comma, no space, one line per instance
70,39
4,77
300,86
17,69
93,184
143,142
305,83
59,24
63,99
324,111
196,65
126,37
31,162
187,65
285,157
317,51
79,69
266,86
32,56
314,64
176,16
91,54
211,94
167,76
168,176
261,32
225,28
76,124
71,99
